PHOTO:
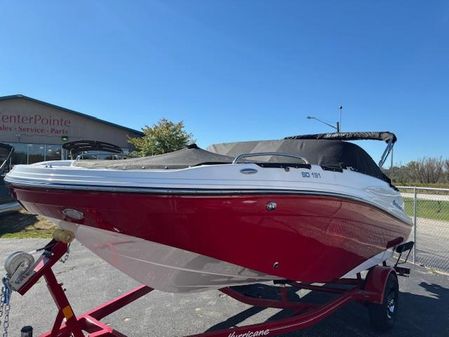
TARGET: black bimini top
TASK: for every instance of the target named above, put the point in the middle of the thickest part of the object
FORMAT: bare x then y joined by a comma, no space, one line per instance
386,136
330,151
329,154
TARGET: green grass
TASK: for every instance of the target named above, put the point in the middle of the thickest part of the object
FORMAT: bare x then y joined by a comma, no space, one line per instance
29,234
429,209
22,225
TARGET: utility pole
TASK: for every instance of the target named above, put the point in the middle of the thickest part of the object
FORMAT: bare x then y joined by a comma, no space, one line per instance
339,122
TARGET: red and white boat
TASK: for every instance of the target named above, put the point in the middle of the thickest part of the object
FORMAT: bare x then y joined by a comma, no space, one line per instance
307,208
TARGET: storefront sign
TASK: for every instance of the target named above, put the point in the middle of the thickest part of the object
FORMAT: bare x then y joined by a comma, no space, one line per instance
34,124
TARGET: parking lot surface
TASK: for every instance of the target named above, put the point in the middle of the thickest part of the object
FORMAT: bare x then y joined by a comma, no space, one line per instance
424,303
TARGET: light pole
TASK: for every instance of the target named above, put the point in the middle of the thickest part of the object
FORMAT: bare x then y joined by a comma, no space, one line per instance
337,127
340,108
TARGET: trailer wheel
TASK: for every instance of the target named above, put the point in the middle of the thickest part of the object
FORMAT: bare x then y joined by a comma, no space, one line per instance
383,315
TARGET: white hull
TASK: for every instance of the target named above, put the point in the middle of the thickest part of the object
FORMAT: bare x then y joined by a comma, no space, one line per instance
214,179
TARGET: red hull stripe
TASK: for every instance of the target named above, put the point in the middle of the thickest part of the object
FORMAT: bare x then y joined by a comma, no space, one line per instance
306,238
196,191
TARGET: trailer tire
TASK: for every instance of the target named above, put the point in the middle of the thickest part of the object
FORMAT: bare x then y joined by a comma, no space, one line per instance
383,316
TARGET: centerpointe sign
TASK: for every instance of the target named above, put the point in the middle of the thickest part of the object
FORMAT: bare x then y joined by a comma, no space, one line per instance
25,120
34,124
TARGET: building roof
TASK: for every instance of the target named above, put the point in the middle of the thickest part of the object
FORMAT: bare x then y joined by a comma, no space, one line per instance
19,96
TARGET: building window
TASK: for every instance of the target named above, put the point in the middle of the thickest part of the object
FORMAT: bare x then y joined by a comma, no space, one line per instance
53,152
20,153
36,153
33,153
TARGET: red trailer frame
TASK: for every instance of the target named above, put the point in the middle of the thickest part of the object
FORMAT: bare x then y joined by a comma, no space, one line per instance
371,289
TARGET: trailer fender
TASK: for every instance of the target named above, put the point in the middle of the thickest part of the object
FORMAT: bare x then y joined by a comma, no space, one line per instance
375,283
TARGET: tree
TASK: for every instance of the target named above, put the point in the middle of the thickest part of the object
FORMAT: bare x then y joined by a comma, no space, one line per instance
426,170
399,175
422,171
446,169
164,136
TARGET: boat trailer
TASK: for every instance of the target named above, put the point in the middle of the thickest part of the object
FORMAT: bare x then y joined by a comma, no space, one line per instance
379,290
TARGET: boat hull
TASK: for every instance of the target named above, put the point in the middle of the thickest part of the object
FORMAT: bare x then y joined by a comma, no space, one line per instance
160,266
309,238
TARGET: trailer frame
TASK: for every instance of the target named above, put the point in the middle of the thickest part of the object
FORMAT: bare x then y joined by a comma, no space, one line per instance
370,290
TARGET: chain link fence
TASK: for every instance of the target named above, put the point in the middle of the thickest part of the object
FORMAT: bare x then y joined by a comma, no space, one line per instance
429,210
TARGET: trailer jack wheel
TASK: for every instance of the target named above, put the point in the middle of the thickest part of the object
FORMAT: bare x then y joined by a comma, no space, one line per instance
383,315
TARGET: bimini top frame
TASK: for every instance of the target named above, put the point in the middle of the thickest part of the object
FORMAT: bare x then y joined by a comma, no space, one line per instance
77,147
8,150
386,136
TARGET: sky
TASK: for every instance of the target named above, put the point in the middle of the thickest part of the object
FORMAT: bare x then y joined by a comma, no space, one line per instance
239,70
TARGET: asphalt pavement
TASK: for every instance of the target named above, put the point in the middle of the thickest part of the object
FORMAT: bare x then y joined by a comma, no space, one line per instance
424,303
432,243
